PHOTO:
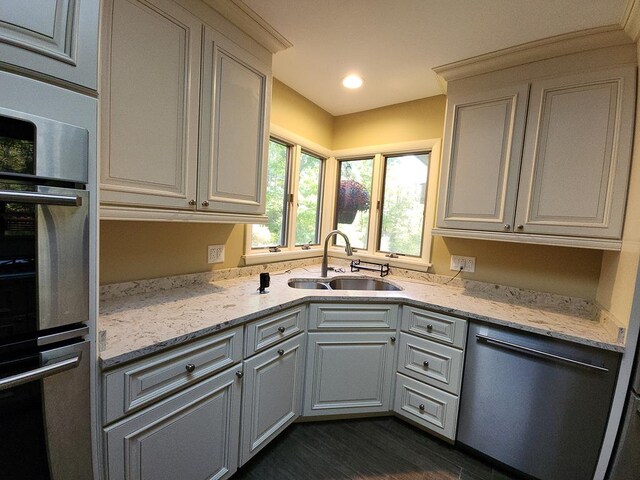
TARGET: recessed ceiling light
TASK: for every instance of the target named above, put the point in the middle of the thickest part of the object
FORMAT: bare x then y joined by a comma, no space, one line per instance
352,81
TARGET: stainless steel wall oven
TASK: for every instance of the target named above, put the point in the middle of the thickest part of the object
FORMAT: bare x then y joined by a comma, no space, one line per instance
44,299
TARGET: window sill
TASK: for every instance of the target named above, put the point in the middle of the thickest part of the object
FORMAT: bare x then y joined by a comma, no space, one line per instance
282,256
416,264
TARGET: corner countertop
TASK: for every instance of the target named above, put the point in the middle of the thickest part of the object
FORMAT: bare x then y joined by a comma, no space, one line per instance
134,326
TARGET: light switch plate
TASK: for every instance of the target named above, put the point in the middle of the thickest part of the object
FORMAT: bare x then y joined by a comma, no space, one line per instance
215,254
468,264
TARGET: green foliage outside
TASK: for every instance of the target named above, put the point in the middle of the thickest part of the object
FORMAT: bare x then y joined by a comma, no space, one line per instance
358,232
308,199
403,204
272,233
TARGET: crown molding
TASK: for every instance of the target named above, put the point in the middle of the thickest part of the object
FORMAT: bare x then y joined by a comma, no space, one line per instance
247,20
556,46
630,21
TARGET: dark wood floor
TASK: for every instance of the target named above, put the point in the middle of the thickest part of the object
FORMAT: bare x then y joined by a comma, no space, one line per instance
365,449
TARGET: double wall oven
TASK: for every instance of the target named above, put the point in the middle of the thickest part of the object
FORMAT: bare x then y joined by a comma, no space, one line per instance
44,300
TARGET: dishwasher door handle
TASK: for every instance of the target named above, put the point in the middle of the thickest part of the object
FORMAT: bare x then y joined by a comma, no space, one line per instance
539,353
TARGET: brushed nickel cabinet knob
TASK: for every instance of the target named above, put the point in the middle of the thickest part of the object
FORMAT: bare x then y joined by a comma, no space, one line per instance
507,226
192,202
421,407
239,374
393,339
426,364
280,352
520,227
190,367
205,203
281,329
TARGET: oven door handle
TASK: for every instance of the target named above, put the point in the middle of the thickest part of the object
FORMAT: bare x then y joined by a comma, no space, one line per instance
40,373
40,198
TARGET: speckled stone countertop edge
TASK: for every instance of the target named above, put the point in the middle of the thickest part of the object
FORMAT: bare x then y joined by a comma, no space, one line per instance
396,298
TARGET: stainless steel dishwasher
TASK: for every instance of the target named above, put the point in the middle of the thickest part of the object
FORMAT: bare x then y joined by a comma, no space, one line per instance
536,404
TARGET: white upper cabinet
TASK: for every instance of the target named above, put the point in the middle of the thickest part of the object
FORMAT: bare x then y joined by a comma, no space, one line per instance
541,161
576,156
184,116
150,105
234,128
53,39
484,135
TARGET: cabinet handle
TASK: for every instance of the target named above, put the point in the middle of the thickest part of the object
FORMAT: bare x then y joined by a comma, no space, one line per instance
421,407
507,226
393,339
520,227
205,203
280,352
281,329
190,367
192,202
426,364
239,374
430,327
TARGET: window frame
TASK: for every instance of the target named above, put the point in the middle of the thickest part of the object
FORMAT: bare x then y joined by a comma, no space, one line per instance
329,195
432,147
290,250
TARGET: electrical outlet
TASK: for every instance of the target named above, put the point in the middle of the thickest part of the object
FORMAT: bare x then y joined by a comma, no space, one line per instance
215,254
468,264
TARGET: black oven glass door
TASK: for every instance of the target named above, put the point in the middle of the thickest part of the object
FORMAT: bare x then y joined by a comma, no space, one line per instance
44,264
45,415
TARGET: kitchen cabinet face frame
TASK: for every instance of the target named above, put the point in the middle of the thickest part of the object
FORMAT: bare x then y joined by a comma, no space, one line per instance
233,143
57,42
545,212
462,203
131,173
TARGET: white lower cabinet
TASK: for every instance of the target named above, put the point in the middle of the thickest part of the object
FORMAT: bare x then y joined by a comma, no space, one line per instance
430,363
272,396
191,435
349,373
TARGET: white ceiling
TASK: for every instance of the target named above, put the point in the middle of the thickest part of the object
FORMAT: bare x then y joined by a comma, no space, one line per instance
394,44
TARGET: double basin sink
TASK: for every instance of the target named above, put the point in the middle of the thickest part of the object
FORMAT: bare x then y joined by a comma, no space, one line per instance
343,283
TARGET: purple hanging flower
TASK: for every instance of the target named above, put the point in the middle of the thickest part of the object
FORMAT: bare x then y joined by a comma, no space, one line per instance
352,196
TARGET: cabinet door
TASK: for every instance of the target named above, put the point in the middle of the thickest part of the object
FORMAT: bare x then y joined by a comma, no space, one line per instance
57,38
577,154
272,397
481,159
190,436
348,373
150,104
236,90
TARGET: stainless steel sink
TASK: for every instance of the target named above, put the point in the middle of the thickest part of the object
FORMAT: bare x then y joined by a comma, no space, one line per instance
308,284
344,283
361,284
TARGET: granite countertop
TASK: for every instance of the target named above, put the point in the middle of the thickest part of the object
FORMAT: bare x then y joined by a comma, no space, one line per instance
132,326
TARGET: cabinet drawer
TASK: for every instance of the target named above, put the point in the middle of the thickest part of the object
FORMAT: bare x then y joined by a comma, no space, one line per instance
432,408
431,362
435,326
134,386
350,316
273,329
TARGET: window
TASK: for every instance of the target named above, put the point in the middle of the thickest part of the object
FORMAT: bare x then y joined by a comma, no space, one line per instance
273,233
293,199
381,205
382,197
355,179
403,204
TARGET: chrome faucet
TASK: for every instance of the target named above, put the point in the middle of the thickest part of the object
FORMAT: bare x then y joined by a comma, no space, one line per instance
347,248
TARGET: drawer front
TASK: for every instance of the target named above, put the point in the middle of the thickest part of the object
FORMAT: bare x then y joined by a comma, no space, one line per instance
352,316
431,362
273,329
428,406
435,326
134,386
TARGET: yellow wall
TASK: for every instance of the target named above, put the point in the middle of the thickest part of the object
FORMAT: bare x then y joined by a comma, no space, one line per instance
619,269
294,112
139,250
417,120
